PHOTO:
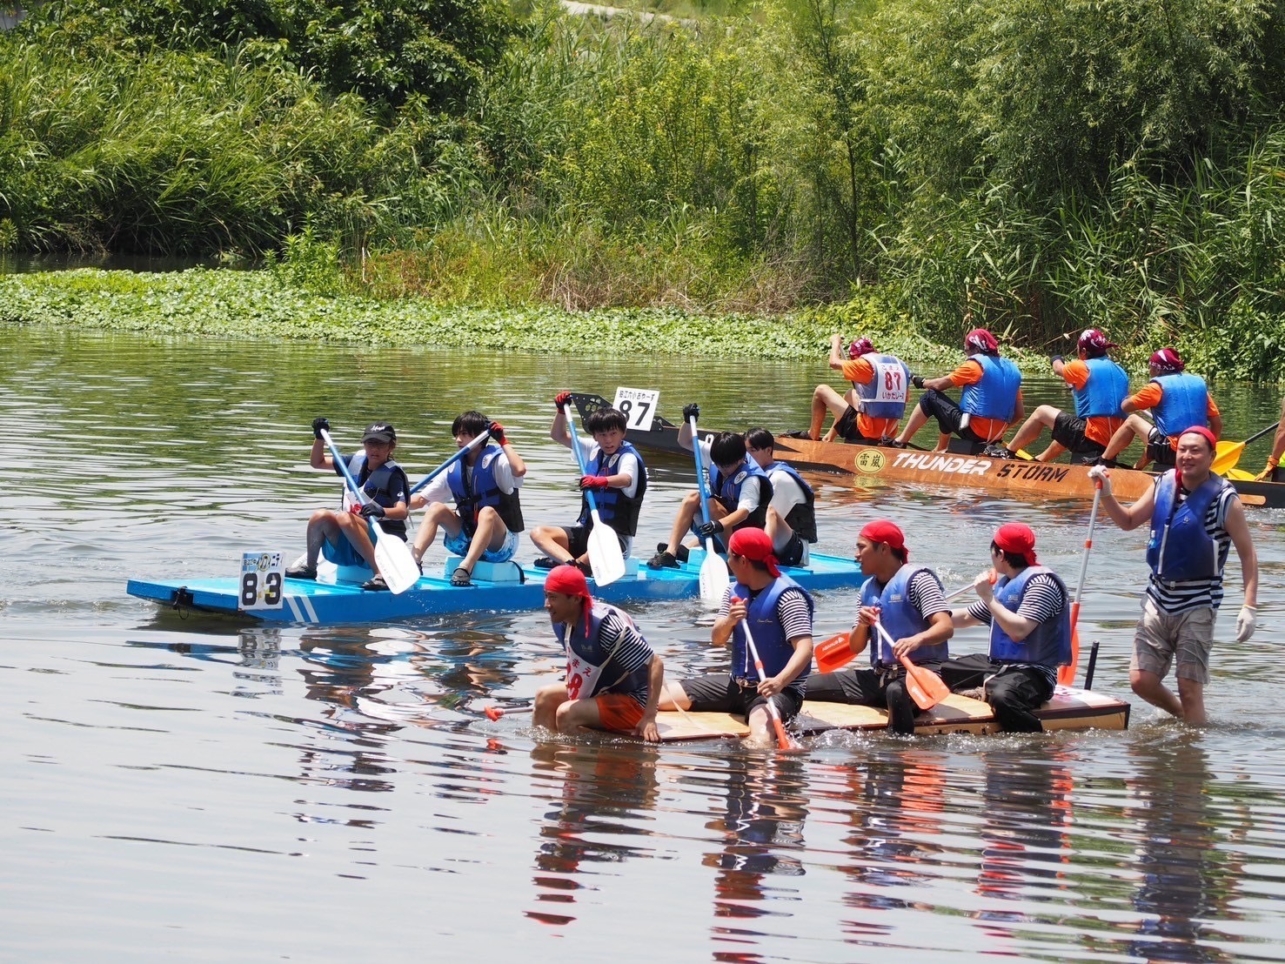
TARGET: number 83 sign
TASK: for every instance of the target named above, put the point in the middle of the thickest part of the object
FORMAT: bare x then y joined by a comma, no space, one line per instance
261,577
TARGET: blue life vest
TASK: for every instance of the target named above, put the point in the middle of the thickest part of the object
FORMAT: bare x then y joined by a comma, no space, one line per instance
801,518
383,487
1184,403
995,396
614,507
1107,387
728,491
1049,643
899,618
585,652
769,638
1180,547
868,392
482,491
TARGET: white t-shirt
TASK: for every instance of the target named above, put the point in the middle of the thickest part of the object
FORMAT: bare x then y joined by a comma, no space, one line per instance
786,494
749,500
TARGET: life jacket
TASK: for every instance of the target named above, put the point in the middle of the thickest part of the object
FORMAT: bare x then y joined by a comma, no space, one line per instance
379,486
1184,402
1049,643
899,618
482,491
589,667
769,638
1107,387
995,396
614,507
1180,548
884,396
728,491
801,518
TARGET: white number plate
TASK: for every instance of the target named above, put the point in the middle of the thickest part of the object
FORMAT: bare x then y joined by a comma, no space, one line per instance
638,405
261,578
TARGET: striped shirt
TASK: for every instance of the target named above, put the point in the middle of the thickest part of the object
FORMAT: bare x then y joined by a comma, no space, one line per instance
925,594
627,650
1178,597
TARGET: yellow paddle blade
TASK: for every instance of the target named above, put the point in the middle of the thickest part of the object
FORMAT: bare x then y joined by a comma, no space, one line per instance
1226,455
1239,475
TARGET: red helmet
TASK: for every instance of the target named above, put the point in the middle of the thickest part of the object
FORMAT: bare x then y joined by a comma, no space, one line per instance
1168,360
979,339
859,347
1094,343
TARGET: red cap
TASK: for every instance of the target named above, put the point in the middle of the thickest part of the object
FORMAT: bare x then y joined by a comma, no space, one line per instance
882,530
979,339
1094,342
755,545
569,581
1018,539
859,347
1204,433
1167,359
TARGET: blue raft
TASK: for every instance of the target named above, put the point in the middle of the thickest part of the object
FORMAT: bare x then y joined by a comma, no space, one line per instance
510,588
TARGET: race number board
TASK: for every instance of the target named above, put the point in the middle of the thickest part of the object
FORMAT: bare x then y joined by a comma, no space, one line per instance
638,405
262,574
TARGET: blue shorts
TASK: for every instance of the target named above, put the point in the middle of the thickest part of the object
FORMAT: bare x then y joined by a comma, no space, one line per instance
458,546
343,554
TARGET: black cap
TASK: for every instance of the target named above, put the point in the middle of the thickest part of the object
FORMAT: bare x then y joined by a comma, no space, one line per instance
380,432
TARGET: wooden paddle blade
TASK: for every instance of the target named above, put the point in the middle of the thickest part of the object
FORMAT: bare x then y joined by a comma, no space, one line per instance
924,686
396,564
713,576
1227,454
605,556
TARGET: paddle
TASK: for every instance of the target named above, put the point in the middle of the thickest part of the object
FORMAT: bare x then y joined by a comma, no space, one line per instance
451,461
713,574
1227,454
1066,674
783,739
392,555
605,556
924,686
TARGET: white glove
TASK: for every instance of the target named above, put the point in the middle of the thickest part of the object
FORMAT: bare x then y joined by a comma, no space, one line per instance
1099,473
1245,623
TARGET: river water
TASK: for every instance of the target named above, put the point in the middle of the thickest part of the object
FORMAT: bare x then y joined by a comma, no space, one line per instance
198,790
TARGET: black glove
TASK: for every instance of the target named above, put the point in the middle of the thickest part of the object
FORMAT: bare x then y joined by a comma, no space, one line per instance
561,399
319,425
1055,359
373,510
710,529
691,411
497,432
917,381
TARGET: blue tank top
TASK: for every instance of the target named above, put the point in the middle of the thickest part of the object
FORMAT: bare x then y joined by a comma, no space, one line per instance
1107,387
995,396
1049,643
614,507
899,618
481,491
1184,403
891,380
774,649
1180,548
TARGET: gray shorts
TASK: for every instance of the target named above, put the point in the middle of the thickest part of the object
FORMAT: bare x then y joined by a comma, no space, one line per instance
1160,636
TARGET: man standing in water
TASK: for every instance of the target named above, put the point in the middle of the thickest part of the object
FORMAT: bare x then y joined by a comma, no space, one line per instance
1195,518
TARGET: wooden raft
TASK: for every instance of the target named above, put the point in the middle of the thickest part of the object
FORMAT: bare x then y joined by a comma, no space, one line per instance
1069,709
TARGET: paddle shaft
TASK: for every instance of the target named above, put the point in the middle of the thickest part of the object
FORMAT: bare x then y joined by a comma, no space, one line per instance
700,472
916,684
1066,674
353,487
575,447
782,738
451,461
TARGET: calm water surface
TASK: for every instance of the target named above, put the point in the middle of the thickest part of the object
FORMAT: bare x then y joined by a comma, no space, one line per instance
199,790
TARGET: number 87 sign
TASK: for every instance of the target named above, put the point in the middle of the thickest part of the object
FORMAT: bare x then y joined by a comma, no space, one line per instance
638,405
261,578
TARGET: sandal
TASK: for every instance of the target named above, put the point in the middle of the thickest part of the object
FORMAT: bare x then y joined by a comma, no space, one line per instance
461,577
375,584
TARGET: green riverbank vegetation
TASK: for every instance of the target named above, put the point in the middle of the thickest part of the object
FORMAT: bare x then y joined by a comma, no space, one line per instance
1032,167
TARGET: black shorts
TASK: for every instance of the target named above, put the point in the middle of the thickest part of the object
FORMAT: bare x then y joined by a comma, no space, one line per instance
792,554
948,414
846,429
1159,450
578,540
1068,431
720,693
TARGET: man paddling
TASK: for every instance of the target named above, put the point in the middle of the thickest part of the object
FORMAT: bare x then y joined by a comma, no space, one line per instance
1029,616
741,493
343,537
1099,386
486,518
1271,472
779,613
870,411
1195,518
908,601
614,679
991,397
791,521
615,474
1177,399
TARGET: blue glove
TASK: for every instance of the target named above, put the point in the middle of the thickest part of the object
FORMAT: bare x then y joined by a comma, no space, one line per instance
373,510
710,529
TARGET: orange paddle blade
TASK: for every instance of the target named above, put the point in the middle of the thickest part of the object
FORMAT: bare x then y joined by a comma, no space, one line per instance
1066,674
924,686
833,653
